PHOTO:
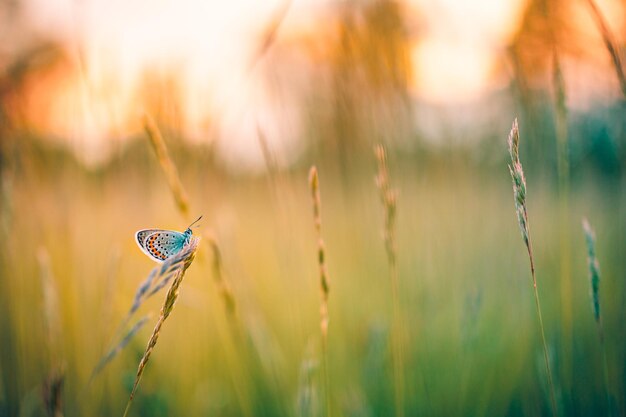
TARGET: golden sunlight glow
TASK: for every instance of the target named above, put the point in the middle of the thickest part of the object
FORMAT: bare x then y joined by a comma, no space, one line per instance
461,71
192,58
461,44
202,47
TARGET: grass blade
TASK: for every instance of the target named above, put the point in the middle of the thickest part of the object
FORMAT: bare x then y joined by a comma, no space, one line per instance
519,194
594,281
609,43
324,283
171,173
388,197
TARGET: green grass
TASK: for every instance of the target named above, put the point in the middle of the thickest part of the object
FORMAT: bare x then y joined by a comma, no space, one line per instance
472,346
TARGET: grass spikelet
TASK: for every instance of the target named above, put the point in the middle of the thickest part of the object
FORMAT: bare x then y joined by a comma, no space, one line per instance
268,37
218,276
115,350
185,258
171,173
307,401
182,204
609,43
157,279
519,194
52,392
594,270
594,281
52,320
388,198
324,283
563,174
52,389
519,188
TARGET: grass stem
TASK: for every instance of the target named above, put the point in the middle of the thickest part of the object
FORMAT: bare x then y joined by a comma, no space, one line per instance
543,334
187,256
388,199
609,43
182,204
594,281
324,282
167,165
563,174
519,194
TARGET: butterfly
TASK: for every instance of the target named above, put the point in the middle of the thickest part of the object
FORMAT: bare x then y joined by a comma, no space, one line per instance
160,244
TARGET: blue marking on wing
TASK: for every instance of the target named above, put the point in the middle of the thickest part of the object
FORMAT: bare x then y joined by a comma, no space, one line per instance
163,244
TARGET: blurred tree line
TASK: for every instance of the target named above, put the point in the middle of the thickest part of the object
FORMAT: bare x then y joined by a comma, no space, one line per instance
355,90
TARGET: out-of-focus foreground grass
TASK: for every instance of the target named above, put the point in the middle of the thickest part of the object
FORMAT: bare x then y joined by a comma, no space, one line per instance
471,340
468,342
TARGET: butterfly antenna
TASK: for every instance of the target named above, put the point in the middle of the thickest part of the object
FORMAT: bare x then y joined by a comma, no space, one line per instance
197,220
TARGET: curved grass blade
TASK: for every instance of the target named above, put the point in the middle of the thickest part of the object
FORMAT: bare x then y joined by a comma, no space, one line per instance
115,350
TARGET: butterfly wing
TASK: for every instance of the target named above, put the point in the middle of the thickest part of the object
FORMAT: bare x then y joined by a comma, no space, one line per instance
159,244
141,235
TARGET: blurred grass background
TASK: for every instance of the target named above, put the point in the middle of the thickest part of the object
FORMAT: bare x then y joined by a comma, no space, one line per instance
69,267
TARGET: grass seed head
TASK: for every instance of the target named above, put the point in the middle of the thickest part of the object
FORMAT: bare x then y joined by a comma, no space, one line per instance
594,268
519,181
183,260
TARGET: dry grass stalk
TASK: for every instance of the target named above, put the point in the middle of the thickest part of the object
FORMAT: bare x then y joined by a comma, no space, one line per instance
180,197
307,397
519,193
187,256
388,198
271,164
269,34
563,170
609,43
52,389
594,281
171,173
52,392
115,350
158,278
181,203
268,156
52,320
218,276
324,282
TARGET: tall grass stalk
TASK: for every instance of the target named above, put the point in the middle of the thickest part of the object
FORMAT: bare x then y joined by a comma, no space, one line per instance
324,283
268,37
271,164
562,150
171,173
594,281
218,276
389,198
519,194
157,279
186,257
52,389
609,42
52,319
182,202
223,287
307,401
115,350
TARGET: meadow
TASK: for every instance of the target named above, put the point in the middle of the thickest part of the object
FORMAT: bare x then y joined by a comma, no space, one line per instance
376,260
467,323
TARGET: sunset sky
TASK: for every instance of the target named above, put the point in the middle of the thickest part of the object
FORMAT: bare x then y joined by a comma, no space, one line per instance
209,46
